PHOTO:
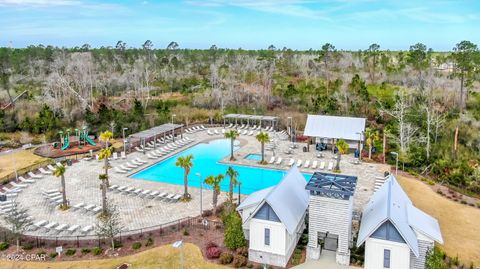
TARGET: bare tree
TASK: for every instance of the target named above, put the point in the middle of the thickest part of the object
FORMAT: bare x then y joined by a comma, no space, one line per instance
17,221
109,225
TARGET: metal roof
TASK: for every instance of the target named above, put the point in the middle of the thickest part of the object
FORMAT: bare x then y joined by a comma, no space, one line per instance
288,199
250,117
391,203
349,128
332,185
164,128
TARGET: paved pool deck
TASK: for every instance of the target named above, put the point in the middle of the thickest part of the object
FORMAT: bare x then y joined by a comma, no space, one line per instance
82,186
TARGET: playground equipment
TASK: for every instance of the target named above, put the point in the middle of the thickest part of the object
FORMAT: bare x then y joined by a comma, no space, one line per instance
64,139
82,138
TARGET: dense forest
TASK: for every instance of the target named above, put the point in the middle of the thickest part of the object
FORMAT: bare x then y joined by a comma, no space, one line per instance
427,103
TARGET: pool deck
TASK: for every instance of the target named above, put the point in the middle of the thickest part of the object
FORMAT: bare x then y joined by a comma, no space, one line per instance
82,185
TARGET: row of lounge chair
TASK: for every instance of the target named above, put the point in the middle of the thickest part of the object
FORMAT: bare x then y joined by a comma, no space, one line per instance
300,163
143,193
23,182
128,166
59,228
248,127
195,129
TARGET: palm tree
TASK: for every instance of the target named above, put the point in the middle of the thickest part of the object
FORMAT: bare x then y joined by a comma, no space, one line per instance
214,182
232,135
185,162
103,186
106,152
60,172
263,138
342,147
371,136
233,174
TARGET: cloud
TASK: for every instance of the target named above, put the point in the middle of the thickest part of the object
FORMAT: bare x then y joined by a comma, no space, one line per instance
296,8
39,3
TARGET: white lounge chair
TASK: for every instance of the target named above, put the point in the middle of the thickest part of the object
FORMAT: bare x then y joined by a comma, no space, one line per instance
86,229
32,175
121,188
307,164
216,132
153,194
51,225
145,192
175,198
16,185
330,166
150,156
299,162
139,149
162,195
122,155
22,179
291,162
73,228
314,164
140,160
115,156
51,168
45,172
78,206
96,209
322,166
119,170
137,191
279,161
271,160
60,228
129,164
40,224
89,207
112,187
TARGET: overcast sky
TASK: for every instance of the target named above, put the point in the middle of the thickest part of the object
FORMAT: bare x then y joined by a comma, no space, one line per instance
248,24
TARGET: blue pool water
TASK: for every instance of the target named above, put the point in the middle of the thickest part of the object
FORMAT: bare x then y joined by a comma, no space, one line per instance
205,162
254,157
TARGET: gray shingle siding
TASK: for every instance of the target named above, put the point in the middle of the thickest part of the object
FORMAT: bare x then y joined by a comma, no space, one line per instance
423,247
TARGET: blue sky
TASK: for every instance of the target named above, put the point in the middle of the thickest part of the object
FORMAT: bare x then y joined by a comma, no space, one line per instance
248,24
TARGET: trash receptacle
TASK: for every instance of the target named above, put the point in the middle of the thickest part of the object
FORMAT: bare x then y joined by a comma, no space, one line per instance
69,162
3,198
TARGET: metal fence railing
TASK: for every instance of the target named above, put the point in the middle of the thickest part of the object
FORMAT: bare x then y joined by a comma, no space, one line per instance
83,241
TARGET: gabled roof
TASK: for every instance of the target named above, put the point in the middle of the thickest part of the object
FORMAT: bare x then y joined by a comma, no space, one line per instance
391,203
288,199
348,128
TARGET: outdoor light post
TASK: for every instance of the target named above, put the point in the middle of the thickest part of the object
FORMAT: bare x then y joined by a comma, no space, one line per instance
360,134
291,129
173,129
179,244
201,191
124,141
396,163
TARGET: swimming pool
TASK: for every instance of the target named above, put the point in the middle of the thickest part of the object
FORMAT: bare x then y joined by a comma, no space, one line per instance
254,157
205,162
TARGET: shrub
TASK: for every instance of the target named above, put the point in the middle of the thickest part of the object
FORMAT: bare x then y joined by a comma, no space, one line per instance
463,202
213,252
4,246
234,237
226,258
259,267
136,245
86,250
70,252
298,251
185,232
149,242
249,265
211,244
117,244
97,251
41,253
239,261
53,255
242,251
27,246
207,213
